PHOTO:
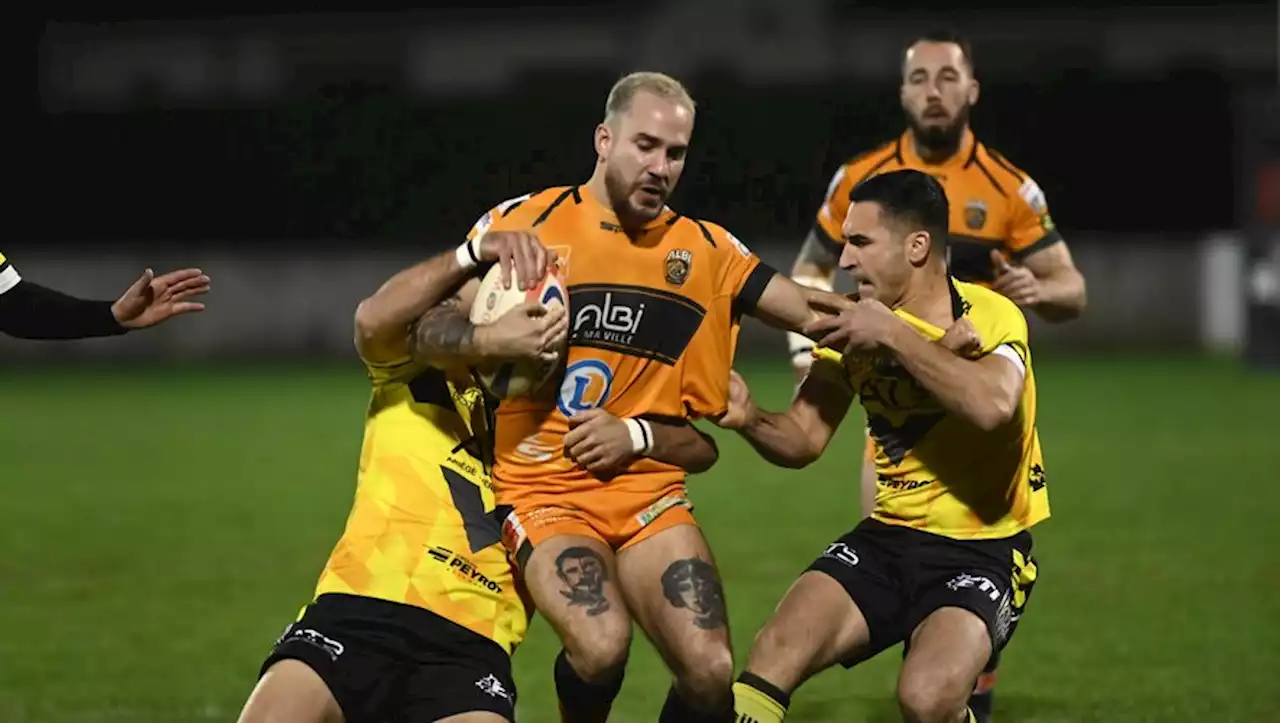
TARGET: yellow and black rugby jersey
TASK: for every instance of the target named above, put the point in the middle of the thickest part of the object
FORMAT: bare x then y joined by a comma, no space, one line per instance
936,472
993,204
421,530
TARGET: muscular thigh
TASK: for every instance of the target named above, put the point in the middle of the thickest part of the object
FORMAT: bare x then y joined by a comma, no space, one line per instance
572,580
673,589
291,692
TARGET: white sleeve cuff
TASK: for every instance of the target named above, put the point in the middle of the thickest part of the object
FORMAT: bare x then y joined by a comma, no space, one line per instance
1008,352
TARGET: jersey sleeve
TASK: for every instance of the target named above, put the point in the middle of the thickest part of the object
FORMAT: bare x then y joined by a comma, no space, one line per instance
1002,325
9,277
1031,228
485,222
829,223
740,274
828,365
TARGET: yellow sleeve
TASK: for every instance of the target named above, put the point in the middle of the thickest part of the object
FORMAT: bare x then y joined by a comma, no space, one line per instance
1030,227
828,365
1001,323
398,370
9,277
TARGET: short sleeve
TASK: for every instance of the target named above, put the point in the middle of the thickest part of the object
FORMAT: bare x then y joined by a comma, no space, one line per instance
9,277
1004,325
835,207
487,220
1030,226
828,366
739,273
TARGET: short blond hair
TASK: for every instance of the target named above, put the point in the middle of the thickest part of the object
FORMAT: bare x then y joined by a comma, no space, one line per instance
659,84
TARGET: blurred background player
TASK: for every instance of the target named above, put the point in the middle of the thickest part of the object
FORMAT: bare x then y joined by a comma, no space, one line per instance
656,299
944,562
31,311
1001,234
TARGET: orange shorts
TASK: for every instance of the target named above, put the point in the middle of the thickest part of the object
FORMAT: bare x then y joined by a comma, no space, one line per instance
615,517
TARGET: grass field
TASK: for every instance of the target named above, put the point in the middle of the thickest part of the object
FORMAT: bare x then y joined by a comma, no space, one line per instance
158,530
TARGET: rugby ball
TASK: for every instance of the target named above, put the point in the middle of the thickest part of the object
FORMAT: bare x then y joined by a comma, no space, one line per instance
505,380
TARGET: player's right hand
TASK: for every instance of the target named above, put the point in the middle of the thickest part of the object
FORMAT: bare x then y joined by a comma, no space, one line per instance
740,406
961,338
529,331
520,254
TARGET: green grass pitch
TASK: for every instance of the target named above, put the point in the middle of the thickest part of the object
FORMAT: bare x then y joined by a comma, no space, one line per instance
159,529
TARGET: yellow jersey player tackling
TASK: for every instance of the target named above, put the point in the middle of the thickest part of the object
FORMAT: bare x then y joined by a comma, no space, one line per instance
944,562
416,613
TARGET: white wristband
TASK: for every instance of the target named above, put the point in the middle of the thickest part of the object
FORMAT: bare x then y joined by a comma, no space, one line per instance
468,254
641,435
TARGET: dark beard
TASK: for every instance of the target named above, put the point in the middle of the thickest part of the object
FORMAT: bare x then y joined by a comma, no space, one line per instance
941,141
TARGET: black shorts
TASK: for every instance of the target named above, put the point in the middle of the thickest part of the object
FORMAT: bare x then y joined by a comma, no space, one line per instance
387,661
898,576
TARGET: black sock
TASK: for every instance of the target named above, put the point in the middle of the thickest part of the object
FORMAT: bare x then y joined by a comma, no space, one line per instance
582,701
678,710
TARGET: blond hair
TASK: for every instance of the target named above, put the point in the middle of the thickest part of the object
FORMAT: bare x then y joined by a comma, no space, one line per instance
659,84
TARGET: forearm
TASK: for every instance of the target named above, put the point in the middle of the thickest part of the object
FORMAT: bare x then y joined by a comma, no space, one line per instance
814,268
408,295
682,445
1062,296
962,386
779,439
31,311
445,334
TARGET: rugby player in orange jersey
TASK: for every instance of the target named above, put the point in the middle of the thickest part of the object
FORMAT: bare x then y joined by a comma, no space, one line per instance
599,521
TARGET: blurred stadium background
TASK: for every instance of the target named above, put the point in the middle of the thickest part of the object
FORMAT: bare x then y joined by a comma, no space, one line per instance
170,497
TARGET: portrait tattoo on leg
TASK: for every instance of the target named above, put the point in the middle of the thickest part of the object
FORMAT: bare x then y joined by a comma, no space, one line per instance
584,574
693,584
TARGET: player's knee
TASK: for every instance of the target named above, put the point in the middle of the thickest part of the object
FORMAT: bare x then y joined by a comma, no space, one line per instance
925,698
601,655
705,680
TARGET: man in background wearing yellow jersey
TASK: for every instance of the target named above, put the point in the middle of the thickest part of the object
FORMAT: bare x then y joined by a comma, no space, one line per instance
944,562
31,311
999,228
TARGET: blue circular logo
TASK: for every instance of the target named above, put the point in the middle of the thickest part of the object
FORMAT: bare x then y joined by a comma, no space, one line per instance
586,386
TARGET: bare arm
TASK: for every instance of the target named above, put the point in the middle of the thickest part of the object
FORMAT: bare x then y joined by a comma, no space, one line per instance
1062,287
985,391
683,445
815,268
789,306
383,320
798,436
444,332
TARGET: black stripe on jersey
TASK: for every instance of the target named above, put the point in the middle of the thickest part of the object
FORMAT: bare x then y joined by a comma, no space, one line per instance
1045,242
987,173
898,440
753,288
481,528
507,211
1005,164
958,305
706,232
432,387
559,200
897,156
634,320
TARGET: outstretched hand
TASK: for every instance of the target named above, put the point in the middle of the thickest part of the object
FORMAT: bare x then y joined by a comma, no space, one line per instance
154,299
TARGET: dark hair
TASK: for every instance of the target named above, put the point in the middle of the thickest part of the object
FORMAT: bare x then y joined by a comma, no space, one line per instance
911,199
943,35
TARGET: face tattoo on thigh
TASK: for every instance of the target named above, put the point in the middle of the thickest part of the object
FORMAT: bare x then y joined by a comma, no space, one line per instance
584,572
692,584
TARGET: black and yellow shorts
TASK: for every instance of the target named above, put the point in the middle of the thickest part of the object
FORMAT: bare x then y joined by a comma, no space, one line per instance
384,661
898,576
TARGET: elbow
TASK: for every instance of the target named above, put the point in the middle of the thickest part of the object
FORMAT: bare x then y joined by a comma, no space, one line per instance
707,459
992,411
800,458
366,320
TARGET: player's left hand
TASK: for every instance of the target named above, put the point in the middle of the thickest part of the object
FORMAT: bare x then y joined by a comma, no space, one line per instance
865,328
599,442
153,299
1017,283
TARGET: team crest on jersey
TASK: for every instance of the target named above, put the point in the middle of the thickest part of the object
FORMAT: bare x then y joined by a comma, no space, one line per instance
586,385
975,215
677,266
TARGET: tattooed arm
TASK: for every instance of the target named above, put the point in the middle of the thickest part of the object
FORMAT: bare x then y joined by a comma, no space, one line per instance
445,335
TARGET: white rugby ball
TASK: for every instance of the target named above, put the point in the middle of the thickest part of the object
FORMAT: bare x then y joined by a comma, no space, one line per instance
505,380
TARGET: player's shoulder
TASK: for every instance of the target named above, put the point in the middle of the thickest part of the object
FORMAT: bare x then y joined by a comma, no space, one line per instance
992,314
525,208
1012,177
714,235
878,156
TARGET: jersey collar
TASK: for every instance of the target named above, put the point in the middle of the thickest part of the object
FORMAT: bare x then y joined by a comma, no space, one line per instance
607,216
962,157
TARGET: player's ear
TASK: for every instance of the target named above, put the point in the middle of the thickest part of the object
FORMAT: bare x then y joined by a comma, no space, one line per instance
918,247
973,92
603,139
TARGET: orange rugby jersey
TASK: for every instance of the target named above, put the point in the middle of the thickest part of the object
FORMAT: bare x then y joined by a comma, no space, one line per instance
653,328
993,204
